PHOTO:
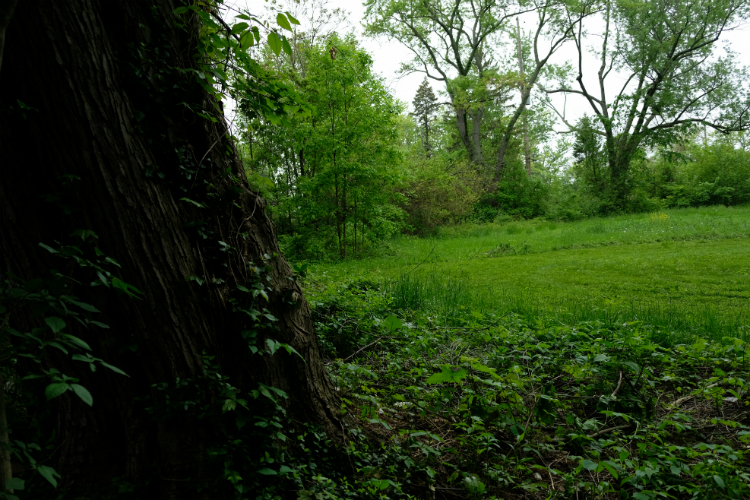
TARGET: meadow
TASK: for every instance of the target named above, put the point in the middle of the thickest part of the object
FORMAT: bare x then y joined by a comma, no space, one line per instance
600,359
686,270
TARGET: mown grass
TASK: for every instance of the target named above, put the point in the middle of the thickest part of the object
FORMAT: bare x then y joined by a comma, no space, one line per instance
687,271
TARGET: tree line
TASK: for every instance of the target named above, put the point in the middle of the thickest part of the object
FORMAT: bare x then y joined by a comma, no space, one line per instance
482,140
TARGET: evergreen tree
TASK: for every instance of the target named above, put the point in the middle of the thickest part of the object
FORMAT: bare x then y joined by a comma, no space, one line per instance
425,106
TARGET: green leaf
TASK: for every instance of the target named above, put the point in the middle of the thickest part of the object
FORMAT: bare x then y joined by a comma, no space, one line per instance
274,42
239,27
113,368
283,22
268,472
285,45
291,19
58,346
246,40
611,469
392,323
83,393
85,234
447,376
84,306
229,405
75,340
285,470
55,323
589,465
719,481
200,205
180,10
56,389
641,496
49,474
15,484
48,248
125,287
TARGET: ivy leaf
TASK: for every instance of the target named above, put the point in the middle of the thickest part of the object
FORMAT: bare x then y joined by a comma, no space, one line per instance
274,42
447,376
283,22
56,389
83,393
55,323
49,474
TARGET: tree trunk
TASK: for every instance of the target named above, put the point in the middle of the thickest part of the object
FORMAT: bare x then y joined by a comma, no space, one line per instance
102,115
476,136
463,132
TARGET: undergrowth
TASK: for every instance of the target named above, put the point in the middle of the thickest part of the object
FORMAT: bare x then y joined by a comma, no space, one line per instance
480,405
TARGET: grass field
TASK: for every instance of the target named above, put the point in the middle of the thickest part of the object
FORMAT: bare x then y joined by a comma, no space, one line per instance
687,270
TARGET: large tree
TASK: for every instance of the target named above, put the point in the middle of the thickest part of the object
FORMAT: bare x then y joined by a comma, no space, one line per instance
674,77
109,125
460,43
450,39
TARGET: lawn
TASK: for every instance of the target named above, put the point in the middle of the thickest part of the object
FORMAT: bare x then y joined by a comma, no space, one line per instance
687,269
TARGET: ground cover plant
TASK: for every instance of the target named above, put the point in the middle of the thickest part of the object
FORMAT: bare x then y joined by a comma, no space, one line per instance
480,405
683,269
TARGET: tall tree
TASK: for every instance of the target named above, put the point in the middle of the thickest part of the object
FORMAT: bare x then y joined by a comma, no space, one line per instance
335,168
119,131
555,25
425,108
449,39
666,52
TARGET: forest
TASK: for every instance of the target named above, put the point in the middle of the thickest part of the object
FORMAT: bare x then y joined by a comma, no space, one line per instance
235,263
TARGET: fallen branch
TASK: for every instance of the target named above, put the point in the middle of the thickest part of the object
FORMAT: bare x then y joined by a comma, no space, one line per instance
365,347
691,396
610,429
617,389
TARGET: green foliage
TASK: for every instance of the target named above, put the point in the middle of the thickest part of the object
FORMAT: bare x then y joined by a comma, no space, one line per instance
702,174
680,269
678,79
500,406
27,358
334,170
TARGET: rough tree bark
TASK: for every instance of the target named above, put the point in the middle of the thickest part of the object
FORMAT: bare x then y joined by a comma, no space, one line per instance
69,61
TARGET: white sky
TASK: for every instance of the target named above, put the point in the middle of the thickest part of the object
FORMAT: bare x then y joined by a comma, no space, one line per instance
388,57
